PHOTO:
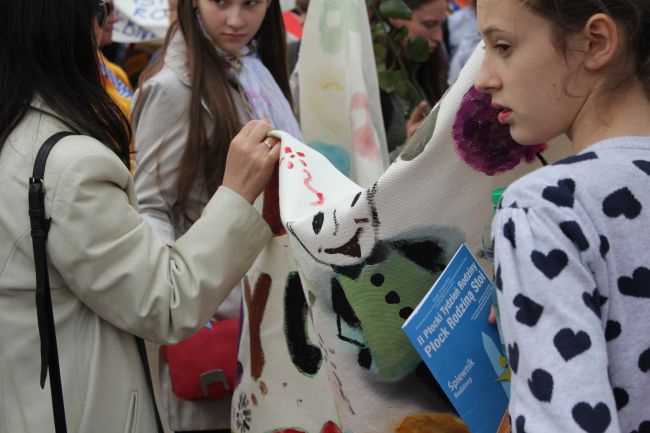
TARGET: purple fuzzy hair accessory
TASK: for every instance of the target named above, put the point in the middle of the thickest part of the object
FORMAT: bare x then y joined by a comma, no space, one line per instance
482,142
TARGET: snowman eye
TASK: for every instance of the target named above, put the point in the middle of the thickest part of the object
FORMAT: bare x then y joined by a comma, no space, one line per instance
317,222
356,198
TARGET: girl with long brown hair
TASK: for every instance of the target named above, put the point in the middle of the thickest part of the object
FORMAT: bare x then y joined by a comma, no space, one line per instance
224,63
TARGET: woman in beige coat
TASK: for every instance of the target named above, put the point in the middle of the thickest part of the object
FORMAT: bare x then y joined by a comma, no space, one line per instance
111,275
223,64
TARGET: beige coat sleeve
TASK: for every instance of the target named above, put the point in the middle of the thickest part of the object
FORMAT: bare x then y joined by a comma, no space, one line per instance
118,265
161,126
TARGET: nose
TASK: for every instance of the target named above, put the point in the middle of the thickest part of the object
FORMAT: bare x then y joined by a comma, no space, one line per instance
436,35
487,80
435,38
235,19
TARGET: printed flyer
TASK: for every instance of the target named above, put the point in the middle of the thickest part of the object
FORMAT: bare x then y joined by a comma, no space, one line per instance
450,331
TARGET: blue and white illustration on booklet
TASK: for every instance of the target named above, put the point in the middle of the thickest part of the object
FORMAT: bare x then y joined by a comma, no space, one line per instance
450,331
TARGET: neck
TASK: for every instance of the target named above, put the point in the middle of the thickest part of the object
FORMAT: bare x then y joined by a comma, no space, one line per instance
623,112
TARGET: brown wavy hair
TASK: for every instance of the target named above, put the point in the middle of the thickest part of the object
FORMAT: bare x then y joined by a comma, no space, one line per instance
570,16
205,154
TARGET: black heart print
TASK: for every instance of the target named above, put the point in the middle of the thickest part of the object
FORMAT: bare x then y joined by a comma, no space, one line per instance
621,397
612,330
562,194
529,310
638,285
622,202
541,385
644,361
571,344
643,165
509,232
594,419
577,158
551,264
513,357
572,230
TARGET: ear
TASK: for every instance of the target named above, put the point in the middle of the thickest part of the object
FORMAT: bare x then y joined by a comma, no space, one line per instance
603,38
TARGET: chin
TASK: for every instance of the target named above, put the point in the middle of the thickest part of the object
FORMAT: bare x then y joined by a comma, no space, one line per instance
525,138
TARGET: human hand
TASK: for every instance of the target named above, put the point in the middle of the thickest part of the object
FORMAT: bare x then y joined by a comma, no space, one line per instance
250,160
416,119
492,318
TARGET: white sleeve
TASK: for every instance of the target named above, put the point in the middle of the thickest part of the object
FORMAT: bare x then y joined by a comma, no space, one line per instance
550,316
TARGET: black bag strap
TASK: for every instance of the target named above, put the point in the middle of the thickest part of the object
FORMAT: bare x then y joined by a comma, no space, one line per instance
40,226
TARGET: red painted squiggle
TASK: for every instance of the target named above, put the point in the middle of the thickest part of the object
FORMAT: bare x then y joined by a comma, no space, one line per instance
321,198
308,178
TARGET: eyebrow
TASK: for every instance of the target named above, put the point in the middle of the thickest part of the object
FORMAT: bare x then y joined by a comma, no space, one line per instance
489,31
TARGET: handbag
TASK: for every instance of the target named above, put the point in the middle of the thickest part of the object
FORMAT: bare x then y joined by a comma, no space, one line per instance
40,225
204,365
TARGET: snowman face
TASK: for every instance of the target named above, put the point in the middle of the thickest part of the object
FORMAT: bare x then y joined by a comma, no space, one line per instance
343,236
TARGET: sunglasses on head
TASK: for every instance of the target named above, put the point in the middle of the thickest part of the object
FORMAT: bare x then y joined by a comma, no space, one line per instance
105,10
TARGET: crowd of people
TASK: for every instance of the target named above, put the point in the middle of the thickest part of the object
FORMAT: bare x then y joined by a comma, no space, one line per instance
155,189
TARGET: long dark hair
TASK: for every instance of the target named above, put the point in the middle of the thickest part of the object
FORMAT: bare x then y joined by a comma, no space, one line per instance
431,75
570,16
206,154
48,50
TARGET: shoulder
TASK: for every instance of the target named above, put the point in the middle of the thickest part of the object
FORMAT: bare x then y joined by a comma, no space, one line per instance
164,93
582,177
80,159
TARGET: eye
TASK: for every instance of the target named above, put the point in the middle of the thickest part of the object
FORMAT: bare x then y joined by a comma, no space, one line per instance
502,47
431,24
252,2
317,222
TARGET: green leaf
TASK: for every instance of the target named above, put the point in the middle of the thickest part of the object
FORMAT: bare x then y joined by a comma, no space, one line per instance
417,50
386,79
404,89
380,53
395,9
399,34
379,29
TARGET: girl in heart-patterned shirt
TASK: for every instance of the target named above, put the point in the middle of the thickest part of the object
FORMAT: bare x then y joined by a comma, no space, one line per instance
572,240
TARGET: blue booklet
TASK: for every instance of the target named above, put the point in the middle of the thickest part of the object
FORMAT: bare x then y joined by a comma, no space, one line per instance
450,331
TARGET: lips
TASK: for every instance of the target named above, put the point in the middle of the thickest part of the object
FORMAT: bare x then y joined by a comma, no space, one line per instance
504,113
504,116
233,36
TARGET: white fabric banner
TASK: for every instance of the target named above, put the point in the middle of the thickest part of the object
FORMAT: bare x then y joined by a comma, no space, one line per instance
322,350
340,110
140,20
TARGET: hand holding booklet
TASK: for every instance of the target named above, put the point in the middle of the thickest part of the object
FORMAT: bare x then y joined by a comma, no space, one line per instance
450,331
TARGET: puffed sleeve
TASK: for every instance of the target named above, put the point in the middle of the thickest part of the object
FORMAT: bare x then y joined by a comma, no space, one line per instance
117,264
160,127
550,318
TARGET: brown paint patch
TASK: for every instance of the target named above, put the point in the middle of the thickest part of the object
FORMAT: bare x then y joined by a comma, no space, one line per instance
263,388
271,205
256,303
254,399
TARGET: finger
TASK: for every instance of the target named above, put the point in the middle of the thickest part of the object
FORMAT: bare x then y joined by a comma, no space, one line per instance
272,141
274,153
259,132
418,112
492,318
246,130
